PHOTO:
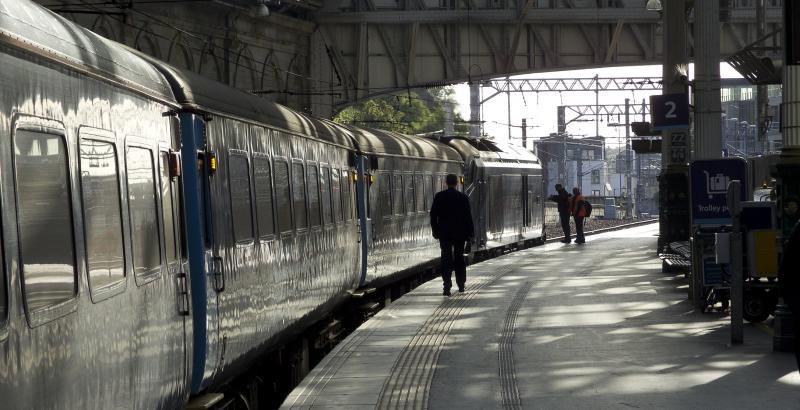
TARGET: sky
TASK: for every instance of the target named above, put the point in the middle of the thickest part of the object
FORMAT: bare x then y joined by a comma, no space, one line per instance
540,110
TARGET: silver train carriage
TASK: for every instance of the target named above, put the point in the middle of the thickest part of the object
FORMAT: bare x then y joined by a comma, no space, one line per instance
504,184
91,260
276,242
403,174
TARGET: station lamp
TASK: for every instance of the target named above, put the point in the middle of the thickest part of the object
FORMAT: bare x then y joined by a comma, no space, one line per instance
653,5
260,10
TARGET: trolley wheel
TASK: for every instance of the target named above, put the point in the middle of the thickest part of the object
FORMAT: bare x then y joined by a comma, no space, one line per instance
756,306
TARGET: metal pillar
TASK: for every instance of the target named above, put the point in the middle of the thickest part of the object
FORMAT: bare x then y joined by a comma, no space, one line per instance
629,201
524,133
762,97
708,108
474,110
673,180
508,103
789,161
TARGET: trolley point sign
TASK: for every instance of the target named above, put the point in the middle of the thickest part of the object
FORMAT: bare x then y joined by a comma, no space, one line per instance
709,187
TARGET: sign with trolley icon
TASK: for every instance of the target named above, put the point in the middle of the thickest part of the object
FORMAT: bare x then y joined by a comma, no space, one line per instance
709,185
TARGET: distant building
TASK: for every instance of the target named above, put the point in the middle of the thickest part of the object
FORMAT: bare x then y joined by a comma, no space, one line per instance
574,162
740,120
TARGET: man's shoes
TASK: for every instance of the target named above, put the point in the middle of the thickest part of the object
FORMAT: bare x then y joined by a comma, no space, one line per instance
580,241
461,289
446,292
565,241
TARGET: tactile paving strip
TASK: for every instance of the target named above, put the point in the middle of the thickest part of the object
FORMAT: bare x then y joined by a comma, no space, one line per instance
325,370
509,393
408,386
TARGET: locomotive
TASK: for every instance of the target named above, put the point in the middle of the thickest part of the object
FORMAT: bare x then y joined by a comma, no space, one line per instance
160,230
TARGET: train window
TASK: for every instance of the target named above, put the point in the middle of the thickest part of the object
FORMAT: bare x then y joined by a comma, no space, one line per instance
419,190
44,212
336,195
312,182
347,199
397,194
282,195
385,193
142,205
299,195
264,208
410,196
431,191
241,211
102,213
325,195
167,206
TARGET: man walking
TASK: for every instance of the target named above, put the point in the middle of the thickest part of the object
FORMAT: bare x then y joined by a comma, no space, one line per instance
451,223
578,211
562,198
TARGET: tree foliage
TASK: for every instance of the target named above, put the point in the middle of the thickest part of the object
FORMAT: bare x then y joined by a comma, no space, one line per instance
410,113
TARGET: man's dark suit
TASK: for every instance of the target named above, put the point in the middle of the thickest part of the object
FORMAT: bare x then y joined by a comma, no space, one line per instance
451,223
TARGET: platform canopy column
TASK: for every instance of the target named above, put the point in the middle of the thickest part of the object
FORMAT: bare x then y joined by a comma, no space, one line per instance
789,161
673,182
708,109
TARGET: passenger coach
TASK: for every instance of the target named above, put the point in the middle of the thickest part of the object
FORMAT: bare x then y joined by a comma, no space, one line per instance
91,250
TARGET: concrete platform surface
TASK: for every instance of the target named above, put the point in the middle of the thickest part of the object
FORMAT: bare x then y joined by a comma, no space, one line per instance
593,326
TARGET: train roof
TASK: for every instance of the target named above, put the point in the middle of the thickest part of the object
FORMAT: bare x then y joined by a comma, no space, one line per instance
382,142
490,150
203,94
29,26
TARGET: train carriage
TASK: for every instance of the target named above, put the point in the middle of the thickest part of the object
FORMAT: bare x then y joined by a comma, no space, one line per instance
91,262
504,184
402,173
279,240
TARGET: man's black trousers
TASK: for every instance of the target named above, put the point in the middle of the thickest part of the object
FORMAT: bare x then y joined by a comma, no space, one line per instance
565,223
452,258
579,229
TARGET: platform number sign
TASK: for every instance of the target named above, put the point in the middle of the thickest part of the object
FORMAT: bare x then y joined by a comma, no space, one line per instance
669,111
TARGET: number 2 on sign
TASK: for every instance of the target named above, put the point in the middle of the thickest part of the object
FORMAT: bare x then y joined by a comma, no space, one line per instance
670,109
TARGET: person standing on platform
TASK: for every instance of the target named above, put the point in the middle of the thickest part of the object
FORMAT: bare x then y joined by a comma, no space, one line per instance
451,224
578,210
789,284
562,198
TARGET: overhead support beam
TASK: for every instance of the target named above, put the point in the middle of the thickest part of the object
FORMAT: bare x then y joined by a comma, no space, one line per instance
412,53
648,50
431,44
362,60
612,47
400,70
608,109
335,54
566,16
552,59
517,33
575,84
454,69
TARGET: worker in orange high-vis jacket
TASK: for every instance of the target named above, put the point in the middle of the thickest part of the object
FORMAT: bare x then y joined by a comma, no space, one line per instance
578,210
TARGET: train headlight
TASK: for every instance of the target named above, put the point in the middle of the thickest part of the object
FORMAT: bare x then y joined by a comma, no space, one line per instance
371,178
462,180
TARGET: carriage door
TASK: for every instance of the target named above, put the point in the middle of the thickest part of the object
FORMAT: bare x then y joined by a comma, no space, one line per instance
526,221
174,242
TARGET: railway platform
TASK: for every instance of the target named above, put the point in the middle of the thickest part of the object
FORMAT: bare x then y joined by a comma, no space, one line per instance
554,327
